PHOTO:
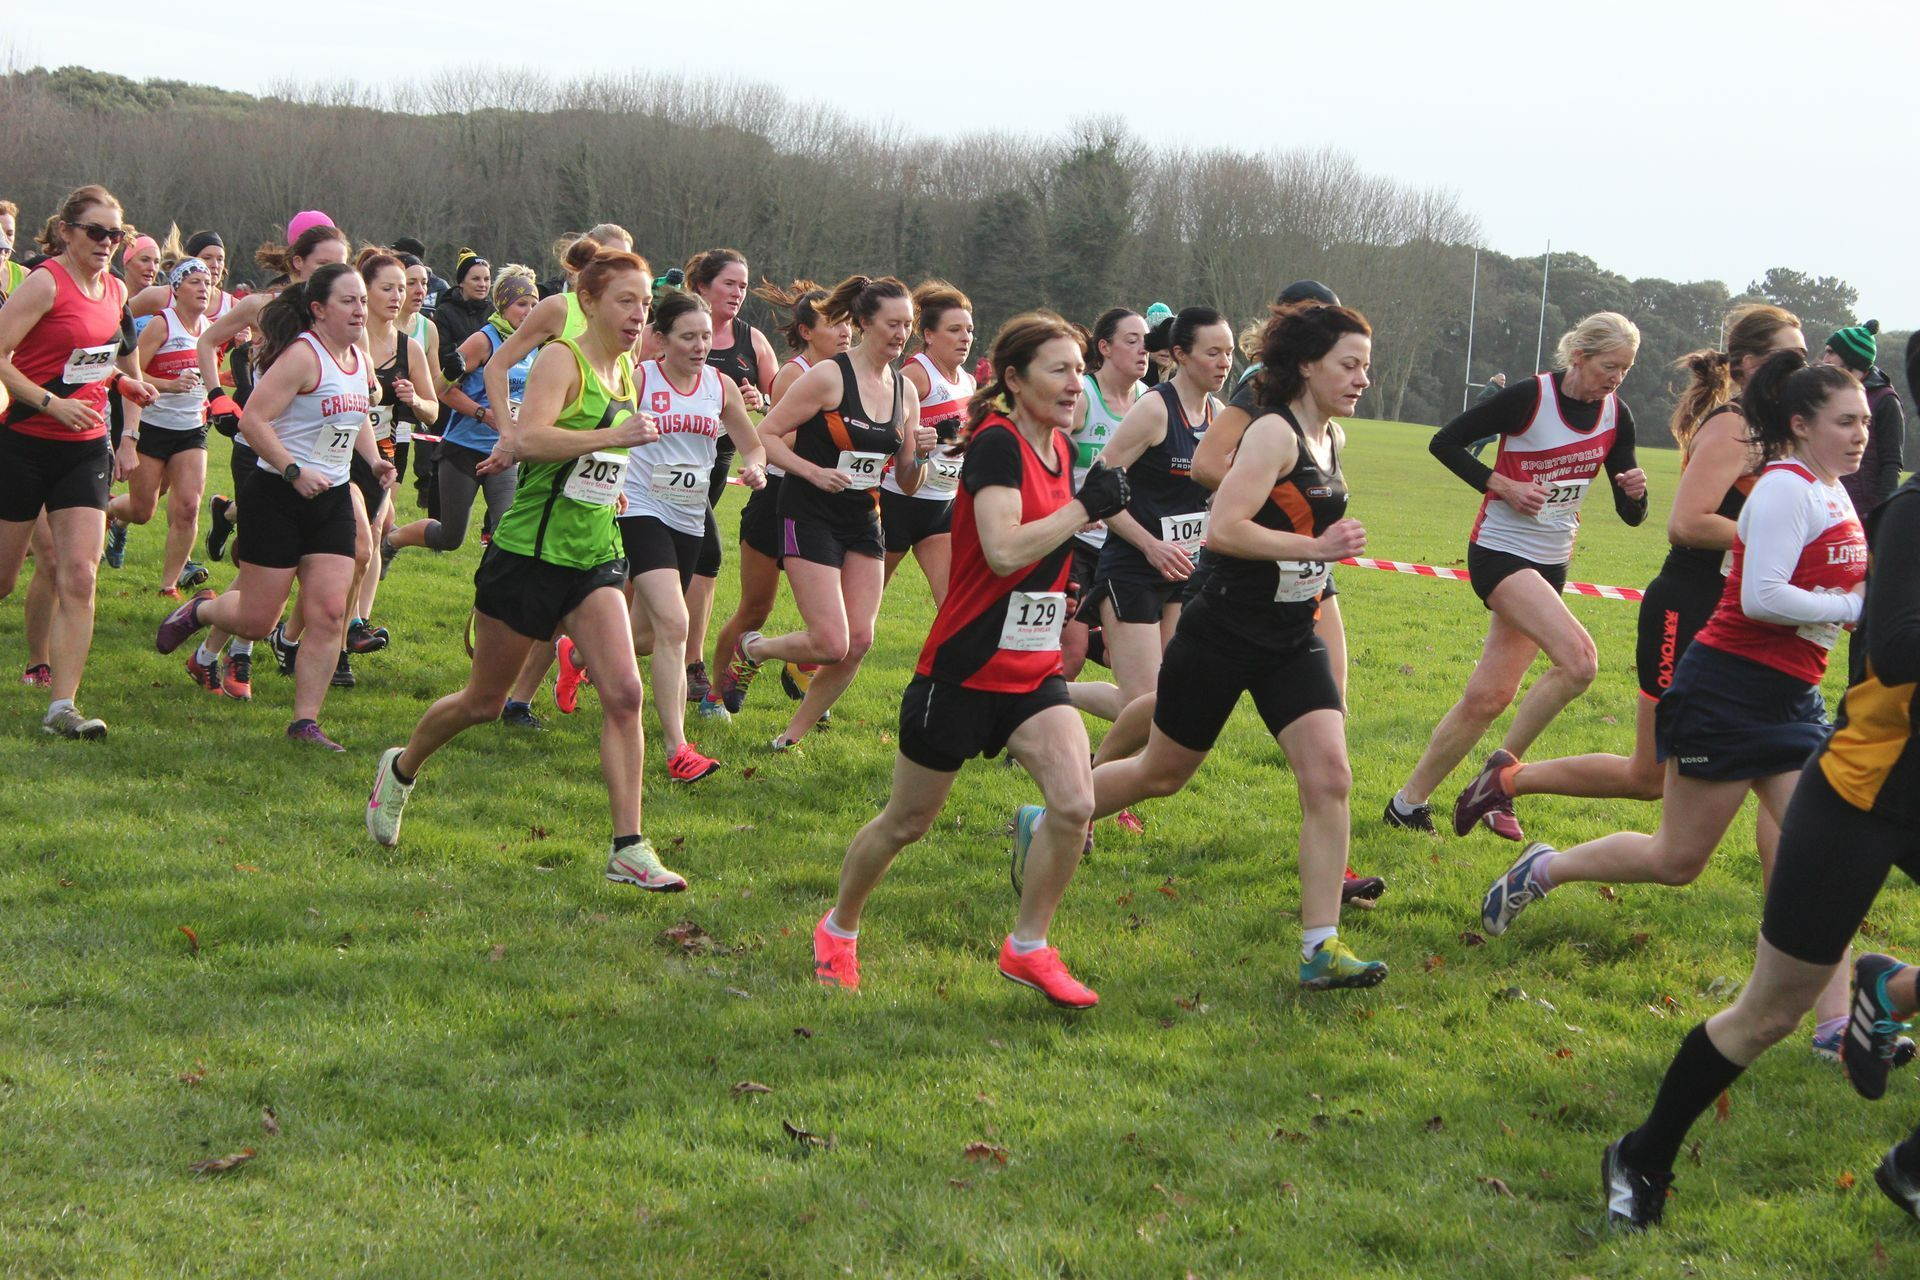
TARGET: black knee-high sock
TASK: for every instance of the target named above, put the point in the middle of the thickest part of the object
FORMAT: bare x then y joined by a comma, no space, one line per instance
1699,1074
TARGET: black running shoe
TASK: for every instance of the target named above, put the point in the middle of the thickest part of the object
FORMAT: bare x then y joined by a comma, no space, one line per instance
1417,818
362,638
219,528
1635,1199
342,673
387,552
697,683
519,715
1901,1189
285,652
1873,1036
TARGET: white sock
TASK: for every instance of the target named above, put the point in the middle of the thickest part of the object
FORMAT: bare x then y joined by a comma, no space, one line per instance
240,647
1311,940
1401,804
205,656
834,930
57,706
1025,948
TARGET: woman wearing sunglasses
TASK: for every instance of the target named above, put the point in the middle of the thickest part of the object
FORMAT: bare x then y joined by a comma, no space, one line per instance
60,353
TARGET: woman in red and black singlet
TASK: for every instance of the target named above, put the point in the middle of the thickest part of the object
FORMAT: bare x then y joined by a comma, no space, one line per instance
60,353
833,446
989,675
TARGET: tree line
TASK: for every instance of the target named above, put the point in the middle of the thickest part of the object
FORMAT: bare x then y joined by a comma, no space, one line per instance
506,161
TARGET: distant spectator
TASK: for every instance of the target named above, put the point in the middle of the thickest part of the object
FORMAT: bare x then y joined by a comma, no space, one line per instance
1495,385
1855,348
436,285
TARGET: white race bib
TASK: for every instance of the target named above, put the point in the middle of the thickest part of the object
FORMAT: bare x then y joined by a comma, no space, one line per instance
943,476
88,365
380,418
1563,502
513,410
681,483
1185,532
402,431
1300,581
863,469
333,447
1824,634
595,478
1034,621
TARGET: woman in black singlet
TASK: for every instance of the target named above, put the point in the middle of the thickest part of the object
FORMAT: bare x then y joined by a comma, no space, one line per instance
832,444
1148,558
405,375
744,356
1278,520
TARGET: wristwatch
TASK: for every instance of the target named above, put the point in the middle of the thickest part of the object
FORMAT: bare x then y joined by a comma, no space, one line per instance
46,400
292,472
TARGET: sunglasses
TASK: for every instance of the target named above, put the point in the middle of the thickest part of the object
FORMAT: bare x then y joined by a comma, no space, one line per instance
99,234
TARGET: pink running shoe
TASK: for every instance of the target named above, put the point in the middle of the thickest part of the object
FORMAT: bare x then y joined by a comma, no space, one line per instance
572,674
1043,971
836,961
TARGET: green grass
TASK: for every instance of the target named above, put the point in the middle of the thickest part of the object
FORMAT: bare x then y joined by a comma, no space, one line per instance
484,1059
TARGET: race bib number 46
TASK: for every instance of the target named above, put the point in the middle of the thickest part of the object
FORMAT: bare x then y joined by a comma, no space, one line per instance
1185,532
1563,502
88,365
595,478
682,484
333,447
1033,621
862,469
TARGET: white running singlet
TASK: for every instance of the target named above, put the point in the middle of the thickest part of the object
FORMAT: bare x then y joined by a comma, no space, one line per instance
1090,441
1566,460
668,478
321,425
176,410
944,405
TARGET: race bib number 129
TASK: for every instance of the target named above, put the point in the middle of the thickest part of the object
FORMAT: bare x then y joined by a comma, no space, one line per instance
1033,621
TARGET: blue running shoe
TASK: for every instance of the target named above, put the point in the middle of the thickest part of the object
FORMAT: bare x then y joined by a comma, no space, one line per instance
116,544
1334,966
1512,892
1024,821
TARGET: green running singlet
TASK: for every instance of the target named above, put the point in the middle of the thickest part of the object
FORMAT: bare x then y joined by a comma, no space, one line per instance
562,512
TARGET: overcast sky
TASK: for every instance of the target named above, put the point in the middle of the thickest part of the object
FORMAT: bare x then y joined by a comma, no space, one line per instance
1681,139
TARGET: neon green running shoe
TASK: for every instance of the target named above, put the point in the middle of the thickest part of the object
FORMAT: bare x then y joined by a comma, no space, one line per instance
1335,966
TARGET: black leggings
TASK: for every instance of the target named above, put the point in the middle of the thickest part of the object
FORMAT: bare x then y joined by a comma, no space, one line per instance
1832,862
710,559
458,487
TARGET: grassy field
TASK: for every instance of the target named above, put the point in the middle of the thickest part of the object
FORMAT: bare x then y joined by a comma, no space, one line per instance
483,1059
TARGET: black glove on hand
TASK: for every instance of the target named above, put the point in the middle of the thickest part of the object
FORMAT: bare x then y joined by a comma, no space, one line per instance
227,424
1104,492
453,365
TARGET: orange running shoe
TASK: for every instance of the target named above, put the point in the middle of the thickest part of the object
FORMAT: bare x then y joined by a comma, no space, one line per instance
836,961
688,765
1043,971
572,674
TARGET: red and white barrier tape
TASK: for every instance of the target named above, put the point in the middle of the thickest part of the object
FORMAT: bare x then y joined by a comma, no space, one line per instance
1630,594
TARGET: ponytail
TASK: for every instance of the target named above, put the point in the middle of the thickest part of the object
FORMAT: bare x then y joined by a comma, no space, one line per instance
858,298
801,301
1782,389
1711,375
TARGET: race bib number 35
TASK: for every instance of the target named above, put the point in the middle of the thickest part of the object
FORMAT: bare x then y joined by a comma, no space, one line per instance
1300,581
595,478
1185,532
1034,621
863,469
682,484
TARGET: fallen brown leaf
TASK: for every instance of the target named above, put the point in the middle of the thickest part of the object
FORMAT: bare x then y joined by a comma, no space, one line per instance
1563,1052
1640,939
1167,888
1722,1108
1436,1124
746,1087
1188,1002
985,1151
193,941
749,771
1173,1197
1468,938
498,953
1693,1153
1497,1186
805,1033
270,1122
1879,1254
959,1184
1607,892
196,1075
65,883
806,1139
221,1164
1845,1180
1286,1188
1433,962
244,866
1288,1135
1124,900
537,832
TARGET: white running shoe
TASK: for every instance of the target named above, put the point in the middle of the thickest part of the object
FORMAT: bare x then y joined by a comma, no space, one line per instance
638,864
388,802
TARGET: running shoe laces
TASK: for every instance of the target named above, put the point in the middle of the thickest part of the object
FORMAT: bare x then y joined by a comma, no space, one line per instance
69,722
207,677
387,802
1873,1032
1485,795
309,732
1334,966
1514,891
688,765
237,683
1418,817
